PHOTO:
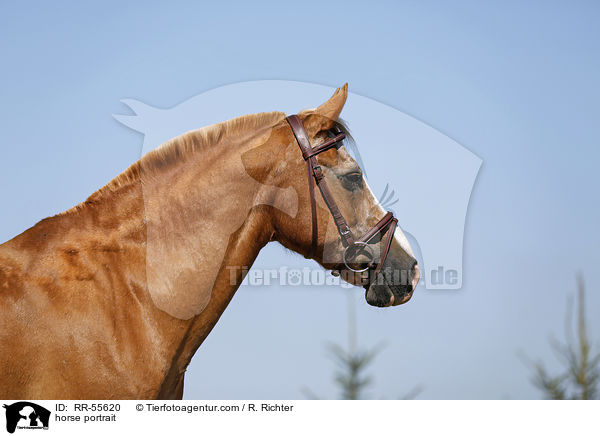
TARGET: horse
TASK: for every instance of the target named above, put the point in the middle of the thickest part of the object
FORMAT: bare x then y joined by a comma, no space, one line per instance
111,298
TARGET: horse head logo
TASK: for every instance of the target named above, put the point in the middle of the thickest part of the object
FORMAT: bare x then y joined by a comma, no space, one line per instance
25,414
428,177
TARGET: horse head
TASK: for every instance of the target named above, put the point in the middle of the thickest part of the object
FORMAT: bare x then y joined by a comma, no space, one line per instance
357,205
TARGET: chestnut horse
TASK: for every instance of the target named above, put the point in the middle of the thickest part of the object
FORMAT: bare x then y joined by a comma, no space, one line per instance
111,299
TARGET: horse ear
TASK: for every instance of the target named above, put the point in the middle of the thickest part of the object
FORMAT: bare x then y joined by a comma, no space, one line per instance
333,107
323,117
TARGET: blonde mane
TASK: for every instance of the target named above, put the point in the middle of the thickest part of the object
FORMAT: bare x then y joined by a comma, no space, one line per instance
182,146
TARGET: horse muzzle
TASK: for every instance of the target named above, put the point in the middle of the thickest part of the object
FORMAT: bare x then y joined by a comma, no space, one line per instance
392,287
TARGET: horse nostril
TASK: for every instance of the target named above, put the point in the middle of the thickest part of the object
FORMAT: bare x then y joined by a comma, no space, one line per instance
416,276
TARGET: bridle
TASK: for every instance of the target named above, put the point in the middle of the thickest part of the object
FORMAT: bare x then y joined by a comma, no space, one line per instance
315,174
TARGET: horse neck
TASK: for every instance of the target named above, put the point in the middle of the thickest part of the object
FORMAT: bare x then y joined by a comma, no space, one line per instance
169,247
200,221
205,225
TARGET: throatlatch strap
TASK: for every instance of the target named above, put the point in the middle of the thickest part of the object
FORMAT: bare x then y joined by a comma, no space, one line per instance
302,140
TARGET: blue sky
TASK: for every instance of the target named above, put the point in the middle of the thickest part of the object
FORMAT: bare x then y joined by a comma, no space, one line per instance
515,83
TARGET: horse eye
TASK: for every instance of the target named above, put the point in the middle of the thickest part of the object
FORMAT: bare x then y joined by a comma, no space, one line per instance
352,180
